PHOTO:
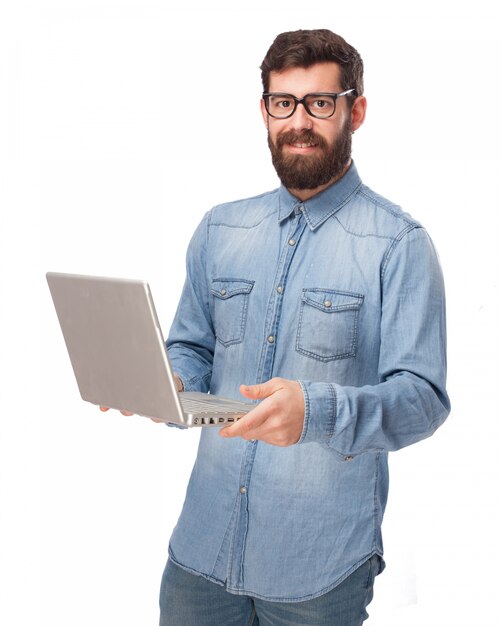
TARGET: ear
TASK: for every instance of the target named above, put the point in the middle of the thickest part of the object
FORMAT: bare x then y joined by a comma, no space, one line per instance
358,112
264,113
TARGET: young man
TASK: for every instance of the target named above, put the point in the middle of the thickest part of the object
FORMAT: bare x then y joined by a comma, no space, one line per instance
327,301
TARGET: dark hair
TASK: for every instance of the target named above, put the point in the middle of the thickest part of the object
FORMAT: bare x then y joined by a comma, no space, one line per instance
303,48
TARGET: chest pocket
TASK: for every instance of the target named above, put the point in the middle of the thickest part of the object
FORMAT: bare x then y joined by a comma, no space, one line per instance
230,299
328,324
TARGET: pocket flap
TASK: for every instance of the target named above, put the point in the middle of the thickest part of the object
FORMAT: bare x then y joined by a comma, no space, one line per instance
330,300
225,288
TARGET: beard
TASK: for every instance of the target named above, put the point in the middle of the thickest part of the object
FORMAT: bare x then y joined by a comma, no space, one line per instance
310,171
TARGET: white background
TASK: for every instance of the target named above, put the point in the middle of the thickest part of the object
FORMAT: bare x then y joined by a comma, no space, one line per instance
114,141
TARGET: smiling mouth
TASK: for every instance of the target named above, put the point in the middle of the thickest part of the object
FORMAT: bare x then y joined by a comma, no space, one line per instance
299,142
303,145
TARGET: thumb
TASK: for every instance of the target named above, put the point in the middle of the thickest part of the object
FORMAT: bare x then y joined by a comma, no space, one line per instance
260,391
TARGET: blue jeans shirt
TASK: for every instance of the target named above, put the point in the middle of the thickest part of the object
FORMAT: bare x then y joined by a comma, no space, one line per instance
344,293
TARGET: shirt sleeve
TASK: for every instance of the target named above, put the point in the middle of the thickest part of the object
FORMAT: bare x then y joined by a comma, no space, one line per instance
410,402
191,339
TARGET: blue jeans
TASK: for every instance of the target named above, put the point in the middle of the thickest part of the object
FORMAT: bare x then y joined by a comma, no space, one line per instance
189,600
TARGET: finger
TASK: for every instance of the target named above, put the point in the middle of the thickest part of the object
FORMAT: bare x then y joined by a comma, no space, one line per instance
107,408
246,426
262,390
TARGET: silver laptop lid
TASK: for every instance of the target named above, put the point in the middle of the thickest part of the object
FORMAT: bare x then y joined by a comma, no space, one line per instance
113,336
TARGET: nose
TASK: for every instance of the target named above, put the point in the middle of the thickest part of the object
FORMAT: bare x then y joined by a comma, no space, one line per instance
300,120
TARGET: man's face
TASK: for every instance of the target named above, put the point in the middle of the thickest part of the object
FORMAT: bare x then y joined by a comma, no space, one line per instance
310,153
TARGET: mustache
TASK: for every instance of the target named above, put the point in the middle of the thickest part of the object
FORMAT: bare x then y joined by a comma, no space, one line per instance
304,136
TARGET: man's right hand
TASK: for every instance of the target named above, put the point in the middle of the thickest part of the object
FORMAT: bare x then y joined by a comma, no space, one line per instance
179,386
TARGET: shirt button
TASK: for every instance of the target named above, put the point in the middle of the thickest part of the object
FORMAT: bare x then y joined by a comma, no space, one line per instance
280,289
292,242
243,490
223,292
271,339
328,304
348,458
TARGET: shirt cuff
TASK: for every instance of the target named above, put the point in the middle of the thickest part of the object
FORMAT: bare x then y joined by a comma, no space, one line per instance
320,412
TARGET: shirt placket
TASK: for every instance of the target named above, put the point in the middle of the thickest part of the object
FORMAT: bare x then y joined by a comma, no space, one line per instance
265,372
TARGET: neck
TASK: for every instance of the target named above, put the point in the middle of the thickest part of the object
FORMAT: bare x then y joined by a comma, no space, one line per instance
306,194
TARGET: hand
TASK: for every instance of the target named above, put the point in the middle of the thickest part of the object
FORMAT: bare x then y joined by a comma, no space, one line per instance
278,419
128,413
107,408
179,383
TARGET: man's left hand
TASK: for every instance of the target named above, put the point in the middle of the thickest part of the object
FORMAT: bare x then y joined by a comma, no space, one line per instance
278,419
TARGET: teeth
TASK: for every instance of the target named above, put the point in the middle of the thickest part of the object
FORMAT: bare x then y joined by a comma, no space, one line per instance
303,145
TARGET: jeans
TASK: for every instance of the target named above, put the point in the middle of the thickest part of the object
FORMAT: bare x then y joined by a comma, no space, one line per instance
190,600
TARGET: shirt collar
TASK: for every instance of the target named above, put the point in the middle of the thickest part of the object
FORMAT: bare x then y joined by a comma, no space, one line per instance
320,207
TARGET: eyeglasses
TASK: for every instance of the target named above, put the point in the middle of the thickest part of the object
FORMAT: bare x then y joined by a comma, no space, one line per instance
321,105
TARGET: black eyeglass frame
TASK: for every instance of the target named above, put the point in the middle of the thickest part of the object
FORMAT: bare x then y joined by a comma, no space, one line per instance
266,95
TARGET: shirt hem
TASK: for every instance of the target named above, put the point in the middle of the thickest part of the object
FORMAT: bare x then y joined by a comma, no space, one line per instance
195,572
285,599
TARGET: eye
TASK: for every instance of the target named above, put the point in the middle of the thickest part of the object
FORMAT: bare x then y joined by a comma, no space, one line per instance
321,105
280,105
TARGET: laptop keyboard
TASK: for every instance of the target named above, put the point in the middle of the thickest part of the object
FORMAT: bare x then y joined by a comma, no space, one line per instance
195,406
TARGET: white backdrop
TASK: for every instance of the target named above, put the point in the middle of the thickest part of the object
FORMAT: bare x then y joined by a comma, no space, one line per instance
114,141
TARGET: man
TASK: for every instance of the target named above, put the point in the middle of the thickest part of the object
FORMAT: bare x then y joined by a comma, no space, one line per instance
327,301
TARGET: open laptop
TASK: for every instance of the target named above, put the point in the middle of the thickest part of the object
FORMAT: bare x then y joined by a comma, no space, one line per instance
118,353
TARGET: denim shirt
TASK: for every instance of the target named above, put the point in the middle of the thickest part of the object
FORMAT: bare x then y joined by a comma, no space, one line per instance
344,293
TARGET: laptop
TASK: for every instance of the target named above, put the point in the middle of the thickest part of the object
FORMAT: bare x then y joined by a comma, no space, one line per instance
118,353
